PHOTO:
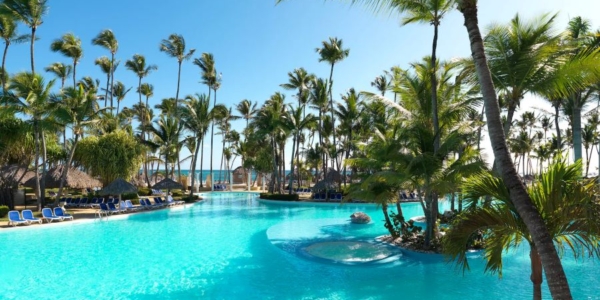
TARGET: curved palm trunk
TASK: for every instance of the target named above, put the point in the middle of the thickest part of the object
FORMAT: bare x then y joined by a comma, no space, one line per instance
65,170
388,222
434,106
112,77
557,280
31,48
36,139
140,89
536,272
556,115
4,68
201,161
44,170
291,181
74,73
212,137
107,88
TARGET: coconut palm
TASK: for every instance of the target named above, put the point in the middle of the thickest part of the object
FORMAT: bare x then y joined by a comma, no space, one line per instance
107,40
70,46
61,71
8,32
77,108
29,12
119,91
166,132
332,51
296,123
147,90
381,83
223,117
174,46
195,116
589,136
299,80
557,280
30,95
106,66
206,63
247,109
566,203
138,66
349,114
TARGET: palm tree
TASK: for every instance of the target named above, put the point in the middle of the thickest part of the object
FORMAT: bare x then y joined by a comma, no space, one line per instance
224,118
247,109
8,32
138,66
61,71
332,52
166,133
106,66
349,113
106,39
70,46
296,123
30,95
174,46
566,202
206,63
147,90
381,83
589,135
557,280
29,12
195,116
119,91
77,108
299,80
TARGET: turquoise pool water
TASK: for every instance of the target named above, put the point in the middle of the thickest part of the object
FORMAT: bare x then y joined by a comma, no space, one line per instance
233,247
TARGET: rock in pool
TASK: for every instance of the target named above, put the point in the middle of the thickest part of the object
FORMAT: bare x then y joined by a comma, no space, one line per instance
360,218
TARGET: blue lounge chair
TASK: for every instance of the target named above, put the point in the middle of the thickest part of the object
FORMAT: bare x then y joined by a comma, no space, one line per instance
338,197
103,210
84,202
143,204
49,216
28,216
14,218
60,212
129,206
112,208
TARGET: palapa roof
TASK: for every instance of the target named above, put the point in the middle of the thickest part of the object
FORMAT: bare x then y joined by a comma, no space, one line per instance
14,172
117,187
324,184
75,179
167,184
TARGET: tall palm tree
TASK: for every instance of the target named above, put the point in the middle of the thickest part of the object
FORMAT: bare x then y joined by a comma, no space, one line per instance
30,95
107,40
8,32
224,118
61,71
332,52
77,108
147,90
299,80
382,84
195,116
566,202
589,135
138,66
70,46
557,280
296,123
166,132
119,91
174,46
206,63
107,68
349,113
30,12
247,110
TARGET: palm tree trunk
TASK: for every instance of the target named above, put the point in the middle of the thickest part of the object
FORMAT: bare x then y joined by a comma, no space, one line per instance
556,115
65,170
140,89
536,273
74,73
4,69
212,128
557,280
273,178
31,48
577,133
112,77
434,106
37,165
334,159
107,88
43,179
388,222
291,181
198,143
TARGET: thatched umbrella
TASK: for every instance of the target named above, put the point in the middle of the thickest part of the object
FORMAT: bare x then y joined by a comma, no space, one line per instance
168,184
117,187
333,175
75,179
12,173
325,185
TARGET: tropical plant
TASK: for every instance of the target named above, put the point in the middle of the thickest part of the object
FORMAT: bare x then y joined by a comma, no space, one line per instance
70,46
8,32
557,280
567,204
138,66
107,40
61,71
174,46
196,117
119,91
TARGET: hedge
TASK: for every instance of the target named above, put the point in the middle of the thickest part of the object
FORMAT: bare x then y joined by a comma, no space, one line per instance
280,197
3,211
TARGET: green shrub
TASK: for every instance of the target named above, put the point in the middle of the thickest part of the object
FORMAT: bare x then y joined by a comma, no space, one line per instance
3,211
129,196
142,191
177,193
189,199
135,201
280,197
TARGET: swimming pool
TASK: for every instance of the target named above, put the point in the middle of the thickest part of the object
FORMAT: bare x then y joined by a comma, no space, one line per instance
233,247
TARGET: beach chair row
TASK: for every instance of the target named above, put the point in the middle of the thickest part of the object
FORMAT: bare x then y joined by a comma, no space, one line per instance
26,217
334,197
83,202
220,187
411,196
302,191
106,209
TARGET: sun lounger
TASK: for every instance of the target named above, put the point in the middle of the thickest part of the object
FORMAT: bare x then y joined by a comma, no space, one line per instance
49,216
103,210
14,218
129,206
60,212
84,202
112,208
28,216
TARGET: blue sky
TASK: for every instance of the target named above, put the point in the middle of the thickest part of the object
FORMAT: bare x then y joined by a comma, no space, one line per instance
255,42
